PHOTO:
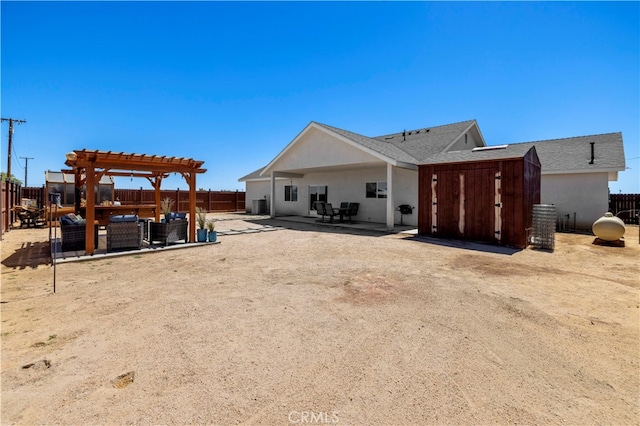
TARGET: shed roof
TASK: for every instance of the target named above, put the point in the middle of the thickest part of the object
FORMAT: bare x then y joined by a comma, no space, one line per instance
51,176
502,152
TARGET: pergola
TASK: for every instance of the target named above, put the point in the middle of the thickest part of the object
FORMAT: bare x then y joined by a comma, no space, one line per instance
90,166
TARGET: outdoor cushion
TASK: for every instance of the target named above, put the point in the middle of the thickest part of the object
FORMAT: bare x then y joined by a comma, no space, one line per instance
123,218
175,215
67,220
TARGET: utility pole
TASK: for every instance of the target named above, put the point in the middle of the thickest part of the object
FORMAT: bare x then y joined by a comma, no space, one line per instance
10,144
26,168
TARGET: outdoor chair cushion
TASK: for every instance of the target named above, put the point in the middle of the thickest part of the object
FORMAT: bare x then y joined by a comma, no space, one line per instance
72,219
123,218
176,215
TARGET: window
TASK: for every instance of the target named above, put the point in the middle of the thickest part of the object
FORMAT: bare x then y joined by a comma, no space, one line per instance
376,189
291,193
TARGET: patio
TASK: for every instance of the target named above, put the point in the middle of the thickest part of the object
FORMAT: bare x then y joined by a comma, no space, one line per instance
259,223
359,226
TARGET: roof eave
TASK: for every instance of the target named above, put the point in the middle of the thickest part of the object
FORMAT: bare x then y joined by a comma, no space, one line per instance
577,171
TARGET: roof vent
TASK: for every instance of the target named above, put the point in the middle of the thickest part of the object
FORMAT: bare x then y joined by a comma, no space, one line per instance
489,148
388,137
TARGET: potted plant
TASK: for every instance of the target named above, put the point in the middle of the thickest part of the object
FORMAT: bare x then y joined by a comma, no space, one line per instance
201,219
211,227
165,206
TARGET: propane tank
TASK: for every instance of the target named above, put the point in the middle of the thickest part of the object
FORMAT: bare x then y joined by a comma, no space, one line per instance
608,227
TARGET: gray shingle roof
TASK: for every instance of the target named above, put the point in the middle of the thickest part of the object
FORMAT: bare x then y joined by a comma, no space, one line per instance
426,147
574,154
510,151
415,146
255,175
426,142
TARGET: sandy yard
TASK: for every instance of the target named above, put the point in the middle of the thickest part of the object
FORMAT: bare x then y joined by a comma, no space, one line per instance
311,325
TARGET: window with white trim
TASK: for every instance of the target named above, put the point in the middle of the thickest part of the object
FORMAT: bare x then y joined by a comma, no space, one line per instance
376,189
291,193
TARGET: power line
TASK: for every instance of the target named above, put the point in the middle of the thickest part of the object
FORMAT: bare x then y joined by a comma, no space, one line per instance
15,153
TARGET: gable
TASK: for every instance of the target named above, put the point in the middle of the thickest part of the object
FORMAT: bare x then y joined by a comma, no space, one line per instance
316,148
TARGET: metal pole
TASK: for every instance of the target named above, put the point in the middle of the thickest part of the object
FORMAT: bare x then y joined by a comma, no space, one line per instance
55,239
26,168
10,144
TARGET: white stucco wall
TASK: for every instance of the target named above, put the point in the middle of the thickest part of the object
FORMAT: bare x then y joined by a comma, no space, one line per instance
345,186
319,149
586,194
256,190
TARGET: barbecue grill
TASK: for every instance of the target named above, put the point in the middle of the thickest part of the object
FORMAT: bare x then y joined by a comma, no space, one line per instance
404,209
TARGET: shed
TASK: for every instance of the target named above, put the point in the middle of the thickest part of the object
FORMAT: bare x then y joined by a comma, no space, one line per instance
63,183
485,194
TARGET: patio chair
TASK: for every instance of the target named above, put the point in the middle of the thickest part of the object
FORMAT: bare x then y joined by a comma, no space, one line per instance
73,233
329,211
319,207
170,231
353,211
124,232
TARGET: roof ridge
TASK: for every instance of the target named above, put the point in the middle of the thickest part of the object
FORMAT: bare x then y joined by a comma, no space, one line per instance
426,127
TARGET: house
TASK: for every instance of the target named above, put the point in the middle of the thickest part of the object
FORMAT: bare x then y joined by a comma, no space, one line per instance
329,164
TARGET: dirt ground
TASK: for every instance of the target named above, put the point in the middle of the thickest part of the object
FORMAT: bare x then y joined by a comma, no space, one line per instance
310,325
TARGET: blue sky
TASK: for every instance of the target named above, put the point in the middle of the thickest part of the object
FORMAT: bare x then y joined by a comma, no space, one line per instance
232,83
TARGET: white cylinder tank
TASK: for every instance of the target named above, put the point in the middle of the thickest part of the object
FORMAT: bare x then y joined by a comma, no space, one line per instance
608,227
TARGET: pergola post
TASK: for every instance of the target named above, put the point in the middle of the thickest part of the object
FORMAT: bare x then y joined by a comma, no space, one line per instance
90,205
191,180
156,186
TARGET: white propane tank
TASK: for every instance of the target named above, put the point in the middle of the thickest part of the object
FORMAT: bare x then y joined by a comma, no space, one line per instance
608,227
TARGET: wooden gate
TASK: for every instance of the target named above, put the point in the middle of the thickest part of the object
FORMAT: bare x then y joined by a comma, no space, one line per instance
465,211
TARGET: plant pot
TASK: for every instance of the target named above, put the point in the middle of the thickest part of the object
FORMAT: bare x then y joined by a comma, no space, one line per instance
213,236
201,235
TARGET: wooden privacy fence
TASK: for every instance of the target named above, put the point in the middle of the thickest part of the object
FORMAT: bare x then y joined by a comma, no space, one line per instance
625,206
10,196
211,201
